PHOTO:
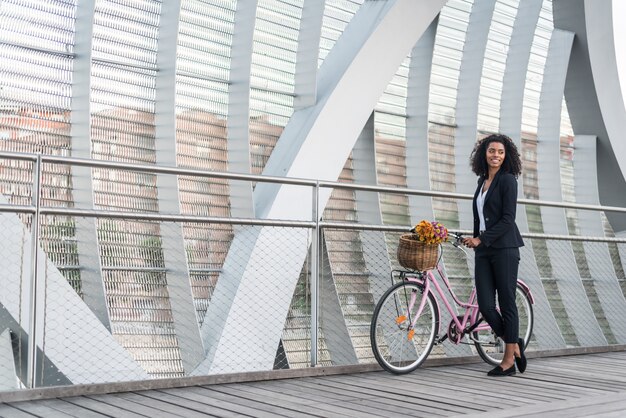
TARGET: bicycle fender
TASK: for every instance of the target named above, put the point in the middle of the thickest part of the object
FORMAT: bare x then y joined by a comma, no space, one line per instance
526,289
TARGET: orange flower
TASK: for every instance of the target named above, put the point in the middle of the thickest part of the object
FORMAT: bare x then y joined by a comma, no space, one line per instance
432,233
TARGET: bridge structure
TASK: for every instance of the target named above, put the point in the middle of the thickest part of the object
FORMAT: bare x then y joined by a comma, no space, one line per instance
220,198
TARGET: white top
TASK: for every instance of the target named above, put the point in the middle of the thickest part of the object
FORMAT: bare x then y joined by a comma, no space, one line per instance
480,203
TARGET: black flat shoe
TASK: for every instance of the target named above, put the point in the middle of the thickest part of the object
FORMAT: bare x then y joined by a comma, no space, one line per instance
521,360
499,371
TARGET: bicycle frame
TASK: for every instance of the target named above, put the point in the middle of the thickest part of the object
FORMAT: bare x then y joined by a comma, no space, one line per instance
428,282
431,285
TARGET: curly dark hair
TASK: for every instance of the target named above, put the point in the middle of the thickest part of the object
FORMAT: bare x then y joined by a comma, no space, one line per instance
512,162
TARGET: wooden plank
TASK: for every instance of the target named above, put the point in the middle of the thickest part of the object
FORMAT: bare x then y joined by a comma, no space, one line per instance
7,410
70,409
38,409
291,388
118,401
608,369
569,408
418,398
102,407
565,377
244,405
406,409
461,378
574,379
461,385
529,384
172,409
591,410
208,409
407,402
288,400
353,402
448,396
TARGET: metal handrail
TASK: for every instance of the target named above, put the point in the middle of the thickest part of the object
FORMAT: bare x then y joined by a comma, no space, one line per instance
315,224
55,159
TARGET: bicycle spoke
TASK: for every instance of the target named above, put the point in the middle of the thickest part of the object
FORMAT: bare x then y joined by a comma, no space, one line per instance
397,346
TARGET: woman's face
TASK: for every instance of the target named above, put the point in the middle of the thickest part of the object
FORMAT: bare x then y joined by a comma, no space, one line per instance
495,154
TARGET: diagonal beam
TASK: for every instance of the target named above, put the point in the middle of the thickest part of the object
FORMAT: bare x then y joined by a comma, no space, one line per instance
313,145
70,335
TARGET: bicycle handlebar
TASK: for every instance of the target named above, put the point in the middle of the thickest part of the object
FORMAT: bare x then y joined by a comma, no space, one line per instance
457,238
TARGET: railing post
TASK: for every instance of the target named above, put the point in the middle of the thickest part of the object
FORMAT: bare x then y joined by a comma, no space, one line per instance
32,326
315,274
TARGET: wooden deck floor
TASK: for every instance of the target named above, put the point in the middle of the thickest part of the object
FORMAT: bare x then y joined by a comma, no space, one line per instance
572,386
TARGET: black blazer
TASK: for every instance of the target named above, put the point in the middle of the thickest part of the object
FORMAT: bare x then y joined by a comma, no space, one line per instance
499,212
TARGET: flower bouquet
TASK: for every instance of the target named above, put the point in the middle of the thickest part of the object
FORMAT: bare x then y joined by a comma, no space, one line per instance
419,249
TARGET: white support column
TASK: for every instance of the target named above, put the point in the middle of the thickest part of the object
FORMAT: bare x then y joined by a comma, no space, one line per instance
172,240
545,330
334,323
593,99
564,268
375,252
606,79
601,268
350,81
467,107
417,161
238,122
86,236
514,81
308,53
467,102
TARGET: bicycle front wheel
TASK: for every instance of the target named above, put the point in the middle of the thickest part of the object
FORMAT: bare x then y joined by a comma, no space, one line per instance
400,340
491,347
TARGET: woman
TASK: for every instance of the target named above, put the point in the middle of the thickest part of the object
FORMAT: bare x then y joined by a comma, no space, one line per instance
496,241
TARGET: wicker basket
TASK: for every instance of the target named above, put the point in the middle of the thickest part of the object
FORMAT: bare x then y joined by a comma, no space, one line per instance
415,255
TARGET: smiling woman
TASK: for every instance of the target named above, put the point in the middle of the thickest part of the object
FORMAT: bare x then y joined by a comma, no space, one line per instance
496,241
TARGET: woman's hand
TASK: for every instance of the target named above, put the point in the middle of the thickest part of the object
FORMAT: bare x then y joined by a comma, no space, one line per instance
471,242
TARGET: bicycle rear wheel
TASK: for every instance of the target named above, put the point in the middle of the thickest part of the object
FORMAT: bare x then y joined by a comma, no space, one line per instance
491,347
399,347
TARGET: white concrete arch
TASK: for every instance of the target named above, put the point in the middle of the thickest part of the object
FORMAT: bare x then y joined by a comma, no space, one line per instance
598,257
172,241
564,268
308,53
238,121
545,331
467,102
350,81
86,236
594,102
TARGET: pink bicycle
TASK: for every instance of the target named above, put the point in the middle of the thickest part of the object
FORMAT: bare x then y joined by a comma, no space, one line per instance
406,321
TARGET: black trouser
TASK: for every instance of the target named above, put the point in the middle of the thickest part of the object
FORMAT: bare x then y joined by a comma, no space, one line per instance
496,272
